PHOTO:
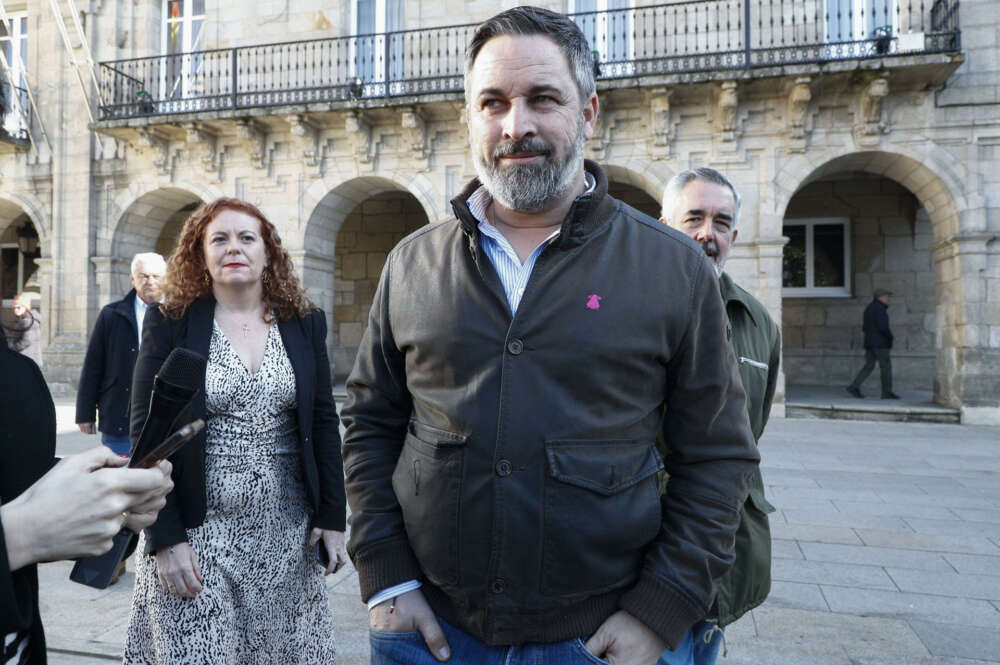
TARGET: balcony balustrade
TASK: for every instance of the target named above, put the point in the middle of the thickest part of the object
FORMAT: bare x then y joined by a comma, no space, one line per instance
676,37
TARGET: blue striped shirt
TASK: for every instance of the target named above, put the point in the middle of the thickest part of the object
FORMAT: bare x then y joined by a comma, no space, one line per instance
513,274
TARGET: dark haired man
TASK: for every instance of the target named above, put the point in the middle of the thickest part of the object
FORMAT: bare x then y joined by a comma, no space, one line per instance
518,366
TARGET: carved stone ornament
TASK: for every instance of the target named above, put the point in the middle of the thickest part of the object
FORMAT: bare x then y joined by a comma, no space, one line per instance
798,106
728,105
306,140
207,143
359,133
159,144
254,134
661,128
600,141
872,119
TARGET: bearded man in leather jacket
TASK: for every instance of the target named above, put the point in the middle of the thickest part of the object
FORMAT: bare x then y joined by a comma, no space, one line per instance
519,365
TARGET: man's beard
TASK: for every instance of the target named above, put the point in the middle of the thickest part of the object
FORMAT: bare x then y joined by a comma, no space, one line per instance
529,187
712,251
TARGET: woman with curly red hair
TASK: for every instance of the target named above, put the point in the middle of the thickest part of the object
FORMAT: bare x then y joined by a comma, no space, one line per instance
233,576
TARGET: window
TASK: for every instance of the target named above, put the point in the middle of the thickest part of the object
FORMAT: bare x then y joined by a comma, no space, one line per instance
14,40
373,21
608,31
183,33
817,260
858,20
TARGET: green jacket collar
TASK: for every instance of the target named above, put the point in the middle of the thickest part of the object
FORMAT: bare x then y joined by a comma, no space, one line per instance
733,293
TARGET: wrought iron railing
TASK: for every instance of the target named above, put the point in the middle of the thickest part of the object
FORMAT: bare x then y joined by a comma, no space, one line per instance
13,128
680,36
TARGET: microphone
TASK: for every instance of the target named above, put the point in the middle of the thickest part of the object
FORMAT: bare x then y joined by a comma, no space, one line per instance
175,386
180,378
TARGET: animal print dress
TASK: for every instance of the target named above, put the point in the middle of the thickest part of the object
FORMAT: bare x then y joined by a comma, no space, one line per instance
263,599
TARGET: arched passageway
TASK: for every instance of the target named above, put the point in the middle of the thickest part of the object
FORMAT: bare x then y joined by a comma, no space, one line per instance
347,240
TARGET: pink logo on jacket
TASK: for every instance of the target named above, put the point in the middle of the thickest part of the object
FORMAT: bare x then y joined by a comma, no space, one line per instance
593,301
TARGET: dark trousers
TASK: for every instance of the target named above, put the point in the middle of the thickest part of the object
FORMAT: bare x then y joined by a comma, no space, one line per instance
884,369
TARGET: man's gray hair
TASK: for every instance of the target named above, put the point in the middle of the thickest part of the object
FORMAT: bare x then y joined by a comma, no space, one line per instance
673,190
148,259
527,21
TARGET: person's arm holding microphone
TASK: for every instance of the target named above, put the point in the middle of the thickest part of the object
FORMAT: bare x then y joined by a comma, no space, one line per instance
76,508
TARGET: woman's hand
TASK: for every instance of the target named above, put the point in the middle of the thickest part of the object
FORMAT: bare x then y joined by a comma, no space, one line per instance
177,568
334,541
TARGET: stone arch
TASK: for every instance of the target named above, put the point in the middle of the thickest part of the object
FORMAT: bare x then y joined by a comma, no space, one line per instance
644,175
935,181
347,235
30,206
139,226
638,185
932,175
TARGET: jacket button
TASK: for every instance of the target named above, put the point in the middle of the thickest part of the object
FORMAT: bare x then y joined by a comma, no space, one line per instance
499,585
504,468
515,347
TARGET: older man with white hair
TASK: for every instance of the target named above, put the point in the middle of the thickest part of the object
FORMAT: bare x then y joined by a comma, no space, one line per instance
704,205
106,378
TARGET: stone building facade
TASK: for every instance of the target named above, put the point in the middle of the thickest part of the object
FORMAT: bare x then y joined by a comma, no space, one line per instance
878,164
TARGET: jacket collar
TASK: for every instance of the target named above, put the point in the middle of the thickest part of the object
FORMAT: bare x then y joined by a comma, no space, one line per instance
587,214
126,307
731,292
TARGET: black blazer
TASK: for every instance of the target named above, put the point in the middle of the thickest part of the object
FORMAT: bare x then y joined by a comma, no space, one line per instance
106,378
27,451
318,425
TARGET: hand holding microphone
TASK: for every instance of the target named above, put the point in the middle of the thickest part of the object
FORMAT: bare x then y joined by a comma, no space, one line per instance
180,378
77,507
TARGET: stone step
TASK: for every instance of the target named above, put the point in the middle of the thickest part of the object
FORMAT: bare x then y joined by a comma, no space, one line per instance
901,414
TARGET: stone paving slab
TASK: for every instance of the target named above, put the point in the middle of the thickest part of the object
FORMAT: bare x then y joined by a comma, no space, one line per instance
870,602
819,534
895,509
797,595
957,585
837,574
833,517
974,564
929,542
961,641
785,549
876,556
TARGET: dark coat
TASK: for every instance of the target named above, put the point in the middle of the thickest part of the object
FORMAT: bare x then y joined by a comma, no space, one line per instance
757,343
510,461
27,451
876,326
318,425
106,378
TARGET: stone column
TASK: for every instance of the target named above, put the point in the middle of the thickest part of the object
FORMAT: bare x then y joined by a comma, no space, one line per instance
316,273
968,363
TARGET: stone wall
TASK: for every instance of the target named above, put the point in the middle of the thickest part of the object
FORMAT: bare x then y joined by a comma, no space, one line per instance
368,233
891,238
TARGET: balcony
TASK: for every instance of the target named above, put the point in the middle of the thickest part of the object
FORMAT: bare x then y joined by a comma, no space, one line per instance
685,37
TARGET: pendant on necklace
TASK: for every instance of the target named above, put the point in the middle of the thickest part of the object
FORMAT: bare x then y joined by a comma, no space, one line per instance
246,330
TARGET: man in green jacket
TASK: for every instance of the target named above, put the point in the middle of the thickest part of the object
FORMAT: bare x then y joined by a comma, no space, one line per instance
704,205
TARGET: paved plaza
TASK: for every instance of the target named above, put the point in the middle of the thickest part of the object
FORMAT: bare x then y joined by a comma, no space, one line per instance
886,552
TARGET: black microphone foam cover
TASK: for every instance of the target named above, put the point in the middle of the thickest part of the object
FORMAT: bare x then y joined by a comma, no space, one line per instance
183,371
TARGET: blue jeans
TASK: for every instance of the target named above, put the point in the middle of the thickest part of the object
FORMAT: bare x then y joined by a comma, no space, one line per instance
699,647
410,649
119,444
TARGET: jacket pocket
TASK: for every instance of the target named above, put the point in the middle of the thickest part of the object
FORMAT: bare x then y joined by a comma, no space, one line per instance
428,486
601,510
